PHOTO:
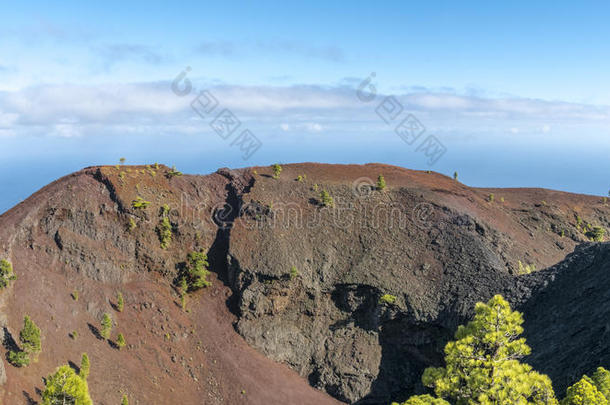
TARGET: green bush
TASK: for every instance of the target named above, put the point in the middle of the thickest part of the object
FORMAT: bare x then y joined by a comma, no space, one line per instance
173,173
293,272
387,299
381,183
326,199
277,169
120,341
455,176
19,358
423,400
527,269
491,198
596,234
140,203
584,392
601,379
6,273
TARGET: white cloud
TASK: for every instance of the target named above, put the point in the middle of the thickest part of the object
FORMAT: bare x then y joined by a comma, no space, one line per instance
76,110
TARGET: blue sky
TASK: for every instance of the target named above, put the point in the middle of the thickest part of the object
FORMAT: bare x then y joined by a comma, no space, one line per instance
518,93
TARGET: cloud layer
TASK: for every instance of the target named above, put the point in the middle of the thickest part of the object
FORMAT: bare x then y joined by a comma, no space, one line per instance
74,110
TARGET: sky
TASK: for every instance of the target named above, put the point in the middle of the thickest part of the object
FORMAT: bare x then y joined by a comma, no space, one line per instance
512,94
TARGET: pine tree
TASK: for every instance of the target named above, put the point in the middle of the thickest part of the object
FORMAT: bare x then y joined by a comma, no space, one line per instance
106,326
601,379
183,286
482,364
65,387
124,401
30,337
423,400
84,366
6,273
197,270
119,302
277,169
18,358
381,183
326,199
584,392
120,341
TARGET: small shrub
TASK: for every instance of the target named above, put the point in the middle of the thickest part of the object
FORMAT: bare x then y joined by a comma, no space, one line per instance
527,269
140,203
6,273
151,171
315,188
277,169
455,176
596,234
122,160
74,335
387,299
173,173
502,199
19,358
74,295
381,183
491,198
124,401
131,225
120,341
300,178
120,303
293,272
106,326
327,200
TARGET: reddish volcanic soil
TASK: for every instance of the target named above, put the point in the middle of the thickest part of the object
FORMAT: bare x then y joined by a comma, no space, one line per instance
73,235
